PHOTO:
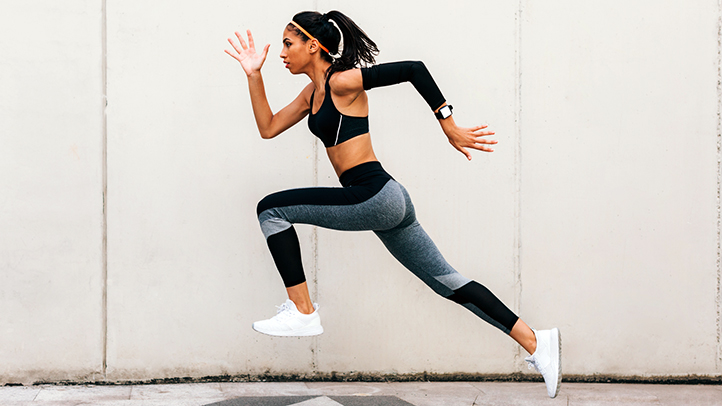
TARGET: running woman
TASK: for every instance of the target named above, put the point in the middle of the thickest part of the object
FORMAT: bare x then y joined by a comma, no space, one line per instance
336,104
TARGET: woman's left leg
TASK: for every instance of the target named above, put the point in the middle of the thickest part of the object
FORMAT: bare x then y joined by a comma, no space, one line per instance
410,244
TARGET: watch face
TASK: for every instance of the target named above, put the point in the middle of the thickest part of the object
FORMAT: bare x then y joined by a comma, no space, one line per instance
445,112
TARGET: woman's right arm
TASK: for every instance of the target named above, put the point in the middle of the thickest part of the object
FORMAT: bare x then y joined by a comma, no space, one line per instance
269,124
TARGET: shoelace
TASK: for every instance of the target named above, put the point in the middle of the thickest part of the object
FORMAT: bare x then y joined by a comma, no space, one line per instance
532,364
283,307
283,311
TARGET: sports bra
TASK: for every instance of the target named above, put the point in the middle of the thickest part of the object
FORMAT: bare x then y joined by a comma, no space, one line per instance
332,127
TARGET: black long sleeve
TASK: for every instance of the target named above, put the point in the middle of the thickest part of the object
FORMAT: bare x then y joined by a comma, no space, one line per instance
387,74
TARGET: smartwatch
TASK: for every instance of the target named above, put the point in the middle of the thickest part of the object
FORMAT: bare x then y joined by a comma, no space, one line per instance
444,112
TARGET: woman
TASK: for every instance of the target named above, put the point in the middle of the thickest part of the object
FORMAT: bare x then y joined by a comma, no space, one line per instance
369,199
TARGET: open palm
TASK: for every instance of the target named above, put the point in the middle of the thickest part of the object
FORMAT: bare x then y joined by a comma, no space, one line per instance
250,60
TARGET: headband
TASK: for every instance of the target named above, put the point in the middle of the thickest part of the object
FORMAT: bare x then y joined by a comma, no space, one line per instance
310,36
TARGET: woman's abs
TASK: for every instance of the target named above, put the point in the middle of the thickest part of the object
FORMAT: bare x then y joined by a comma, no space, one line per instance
351,153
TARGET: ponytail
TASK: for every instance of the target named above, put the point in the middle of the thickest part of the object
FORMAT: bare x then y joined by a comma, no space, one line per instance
357,46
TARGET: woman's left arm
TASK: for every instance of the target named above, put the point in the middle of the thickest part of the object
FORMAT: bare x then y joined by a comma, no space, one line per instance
416,72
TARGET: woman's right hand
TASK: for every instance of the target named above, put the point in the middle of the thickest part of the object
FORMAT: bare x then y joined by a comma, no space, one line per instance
246,54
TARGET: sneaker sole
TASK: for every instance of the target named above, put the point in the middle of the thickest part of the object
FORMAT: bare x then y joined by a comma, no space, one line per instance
305,332
556,342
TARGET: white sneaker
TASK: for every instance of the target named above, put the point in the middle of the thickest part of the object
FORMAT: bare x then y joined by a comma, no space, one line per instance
289,322
547,359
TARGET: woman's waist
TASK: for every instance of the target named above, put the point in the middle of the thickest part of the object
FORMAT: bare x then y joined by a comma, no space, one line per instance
364,173
351,153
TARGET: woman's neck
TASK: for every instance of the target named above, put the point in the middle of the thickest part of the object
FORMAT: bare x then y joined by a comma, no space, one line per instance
317,74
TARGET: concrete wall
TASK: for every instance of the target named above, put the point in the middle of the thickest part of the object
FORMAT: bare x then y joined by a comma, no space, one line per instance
51,190
598,213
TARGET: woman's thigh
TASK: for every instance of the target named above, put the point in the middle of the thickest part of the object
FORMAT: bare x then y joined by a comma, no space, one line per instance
348,209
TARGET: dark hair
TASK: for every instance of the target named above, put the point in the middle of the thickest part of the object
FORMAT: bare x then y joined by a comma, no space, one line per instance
357,46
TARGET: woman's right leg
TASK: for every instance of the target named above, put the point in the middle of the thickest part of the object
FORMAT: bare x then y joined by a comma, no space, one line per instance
523,334
373,203
299,295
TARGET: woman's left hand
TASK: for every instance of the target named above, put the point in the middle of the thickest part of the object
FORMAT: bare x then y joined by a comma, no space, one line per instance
463,138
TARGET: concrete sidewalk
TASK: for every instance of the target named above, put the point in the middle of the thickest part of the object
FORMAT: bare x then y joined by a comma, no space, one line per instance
360,393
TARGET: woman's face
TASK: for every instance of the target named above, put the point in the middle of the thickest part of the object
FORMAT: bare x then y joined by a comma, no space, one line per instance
294,52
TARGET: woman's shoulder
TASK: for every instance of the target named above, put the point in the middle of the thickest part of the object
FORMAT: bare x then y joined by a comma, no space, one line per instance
303,100
346,82
307,91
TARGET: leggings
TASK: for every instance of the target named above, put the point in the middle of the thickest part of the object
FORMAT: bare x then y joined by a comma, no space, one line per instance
371,199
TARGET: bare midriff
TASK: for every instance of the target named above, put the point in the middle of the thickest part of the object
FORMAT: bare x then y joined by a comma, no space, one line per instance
351,153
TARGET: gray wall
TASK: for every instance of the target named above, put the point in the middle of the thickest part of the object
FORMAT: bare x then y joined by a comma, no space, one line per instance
598,213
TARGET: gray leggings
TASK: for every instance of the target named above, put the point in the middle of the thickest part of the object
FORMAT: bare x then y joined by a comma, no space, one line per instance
371,200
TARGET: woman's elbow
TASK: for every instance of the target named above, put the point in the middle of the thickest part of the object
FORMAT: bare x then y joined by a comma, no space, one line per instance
267,135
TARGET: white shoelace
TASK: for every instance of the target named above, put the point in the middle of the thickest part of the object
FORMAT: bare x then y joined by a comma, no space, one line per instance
283,311
283,307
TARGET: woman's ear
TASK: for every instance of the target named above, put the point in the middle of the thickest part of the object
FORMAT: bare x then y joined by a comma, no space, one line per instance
313,46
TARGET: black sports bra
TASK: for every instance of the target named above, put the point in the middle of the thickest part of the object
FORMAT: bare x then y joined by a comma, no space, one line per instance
332,127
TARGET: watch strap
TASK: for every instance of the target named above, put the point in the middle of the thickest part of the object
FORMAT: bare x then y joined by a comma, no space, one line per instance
444,112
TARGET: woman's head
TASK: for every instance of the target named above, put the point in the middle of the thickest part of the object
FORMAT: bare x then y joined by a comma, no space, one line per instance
357,46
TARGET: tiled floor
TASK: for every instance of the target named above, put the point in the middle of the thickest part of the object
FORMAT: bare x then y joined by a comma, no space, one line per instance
360,394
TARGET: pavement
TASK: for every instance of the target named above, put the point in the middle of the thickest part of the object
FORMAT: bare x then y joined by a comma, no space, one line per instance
359,394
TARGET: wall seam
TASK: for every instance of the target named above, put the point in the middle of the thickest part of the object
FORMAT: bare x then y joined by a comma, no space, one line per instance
314,277
517,168
104,271
718,299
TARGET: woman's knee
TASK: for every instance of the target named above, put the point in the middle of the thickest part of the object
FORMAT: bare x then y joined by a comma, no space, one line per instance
265,204
273,222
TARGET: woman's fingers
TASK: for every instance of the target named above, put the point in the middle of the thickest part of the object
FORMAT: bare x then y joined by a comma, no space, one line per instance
460,149
465,152
463,138
235,56
265,53
477,139
240,39
482,144
480,140
482,147
251,44
477,130
233,44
